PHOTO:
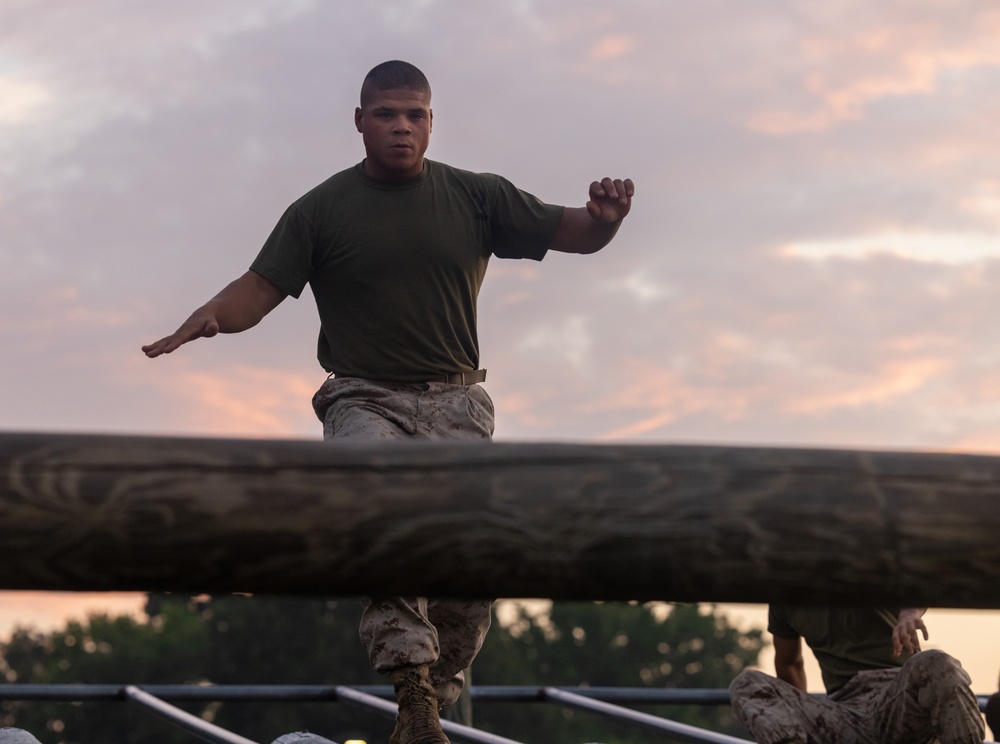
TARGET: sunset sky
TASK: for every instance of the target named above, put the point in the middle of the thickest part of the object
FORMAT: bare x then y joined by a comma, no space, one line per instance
811,260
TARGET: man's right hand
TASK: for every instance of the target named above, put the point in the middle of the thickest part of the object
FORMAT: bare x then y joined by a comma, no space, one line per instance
239,306
906,634
199,325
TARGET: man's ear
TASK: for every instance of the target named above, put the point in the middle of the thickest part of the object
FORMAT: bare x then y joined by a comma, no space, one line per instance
357,118
430,120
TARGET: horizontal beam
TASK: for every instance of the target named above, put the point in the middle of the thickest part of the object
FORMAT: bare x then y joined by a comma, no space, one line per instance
572,522
329,693
181,719
674,729
80,692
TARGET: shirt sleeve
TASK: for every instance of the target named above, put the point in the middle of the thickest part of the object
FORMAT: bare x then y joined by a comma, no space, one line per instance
286,258
778,626
522,225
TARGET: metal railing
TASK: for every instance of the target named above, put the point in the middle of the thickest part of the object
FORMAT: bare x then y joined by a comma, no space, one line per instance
605,701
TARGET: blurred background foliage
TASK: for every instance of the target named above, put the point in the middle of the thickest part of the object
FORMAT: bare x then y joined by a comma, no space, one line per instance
286,640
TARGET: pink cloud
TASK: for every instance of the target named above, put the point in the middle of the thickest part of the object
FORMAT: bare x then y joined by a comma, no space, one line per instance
611,47
242,402
844,75
892,380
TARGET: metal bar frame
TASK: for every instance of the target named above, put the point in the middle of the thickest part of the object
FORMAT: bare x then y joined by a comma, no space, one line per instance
353,696
679,731
329,693
182,719
378,698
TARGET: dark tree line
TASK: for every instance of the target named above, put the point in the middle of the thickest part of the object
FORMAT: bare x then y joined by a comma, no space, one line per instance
280,640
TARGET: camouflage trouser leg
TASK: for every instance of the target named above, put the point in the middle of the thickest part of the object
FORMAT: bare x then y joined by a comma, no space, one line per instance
927,698
445,634
403,631
775,712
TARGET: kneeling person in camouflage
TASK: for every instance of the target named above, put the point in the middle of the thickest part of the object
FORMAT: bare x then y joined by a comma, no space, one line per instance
880,686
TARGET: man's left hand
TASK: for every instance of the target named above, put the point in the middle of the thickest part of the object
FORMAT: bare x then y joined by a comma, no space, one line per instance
610,199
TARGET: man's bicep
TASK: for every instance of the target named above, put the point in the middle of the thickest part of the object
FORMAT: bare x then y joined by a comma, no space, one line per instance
269,294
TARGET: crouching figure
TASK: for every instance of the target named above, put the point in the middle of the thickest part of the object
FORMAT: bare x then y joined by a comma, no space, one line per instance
880,686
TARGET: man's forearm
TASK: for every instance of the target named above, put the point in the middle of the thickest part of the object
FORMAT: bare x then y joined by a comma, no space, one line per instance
243,303
793,674
580,233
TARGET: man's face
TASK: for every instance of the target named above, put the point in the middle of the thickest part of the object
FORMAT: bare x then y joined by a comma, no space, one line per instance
396,128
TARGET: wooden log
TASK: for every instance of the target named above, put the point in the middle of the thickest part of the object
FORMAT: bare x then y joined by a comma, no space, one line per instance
583,522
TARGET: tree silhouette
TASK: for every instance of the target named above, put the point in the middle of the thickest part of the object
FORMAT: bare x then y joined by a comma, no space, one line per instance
618,645
284,640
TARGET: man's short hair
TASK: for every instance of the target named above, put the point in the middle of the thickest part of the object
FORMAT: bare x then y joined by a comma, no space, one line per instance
393,75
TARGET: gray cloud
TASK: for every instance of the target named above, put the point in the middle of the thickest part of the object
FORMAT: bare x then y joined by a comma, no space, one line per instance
152,147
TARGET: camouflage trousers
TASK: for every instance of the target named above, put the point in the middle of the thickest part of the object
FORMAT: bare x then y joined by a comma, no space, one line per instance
404,631
926,699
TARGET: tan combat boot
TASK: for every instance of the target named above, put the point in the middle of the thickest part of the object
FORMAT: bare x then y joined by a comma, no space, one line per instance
418,720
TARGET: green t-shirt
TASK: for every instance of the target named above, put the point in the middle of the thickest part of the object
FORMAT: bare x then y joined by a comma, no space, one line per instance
396,267
845,640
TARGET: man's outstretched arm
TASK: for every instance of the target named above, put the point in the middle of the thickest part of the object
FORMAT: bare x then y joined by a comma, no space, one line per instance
241,305
590,228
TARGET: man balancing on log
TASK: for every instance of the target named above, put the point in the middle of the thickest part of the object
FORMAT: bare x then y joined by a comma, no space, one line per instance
881,688
395,250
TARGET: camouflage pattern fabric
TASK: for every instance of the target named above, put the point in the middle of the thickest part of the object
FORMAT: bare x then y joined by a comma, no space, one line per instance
362,410
406,631
926,699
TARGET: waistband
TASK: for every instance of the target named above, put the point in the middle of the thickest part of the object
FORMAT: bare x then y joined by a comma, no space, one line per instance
454,378
461,378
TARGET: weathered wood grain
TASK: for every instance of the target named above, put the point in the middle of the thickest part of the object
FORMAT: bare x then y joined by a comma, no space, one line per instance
681,523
